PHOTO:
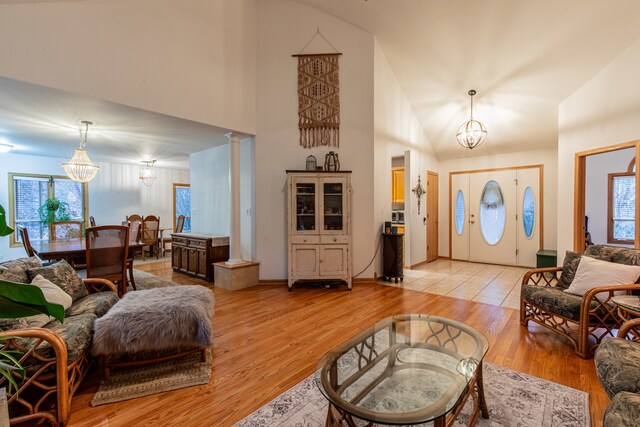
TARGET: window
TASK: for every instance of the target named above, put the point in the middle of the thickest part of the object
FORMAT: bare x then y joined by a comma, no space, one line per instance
528,212
182,205
621,212
27,193
459,213
492,213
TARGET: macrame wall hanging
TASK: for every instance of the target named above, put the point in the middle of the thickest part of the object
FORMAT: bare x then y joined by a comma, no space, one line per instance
319,97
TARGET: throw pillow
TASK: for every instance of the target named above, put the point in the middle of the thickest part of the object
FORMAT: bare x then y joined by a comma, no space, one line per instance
52,293
63,275
593,272
16,269
569,267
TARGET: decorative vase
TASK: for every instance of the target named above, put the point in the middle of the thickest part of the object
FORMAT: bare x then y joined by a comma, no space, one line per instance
331,162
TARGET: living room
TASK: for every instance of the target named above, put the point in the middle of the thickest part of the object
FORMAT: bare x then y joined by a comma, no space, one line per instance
228,64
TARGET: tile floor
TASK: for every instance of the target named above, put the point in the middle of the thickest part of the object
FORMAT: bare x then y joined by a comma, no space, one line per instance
490,284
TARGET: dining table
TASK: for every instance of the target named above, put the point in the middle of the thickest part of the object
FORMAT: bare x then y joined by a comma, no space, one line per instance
68,249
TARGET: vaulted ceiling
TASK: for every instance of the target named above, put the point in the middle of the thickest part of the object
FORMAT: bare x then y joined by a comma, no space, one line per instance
523,57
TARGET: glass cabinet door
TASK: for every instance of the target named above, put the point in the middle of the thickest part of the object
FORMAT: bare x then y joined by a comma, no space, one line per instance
305,205
333,204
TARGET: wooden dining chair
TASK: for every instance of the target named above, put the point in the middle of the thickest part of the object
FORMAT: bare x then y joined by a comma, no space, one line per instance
180,224
167,240
134,217
107,252
26,243
92,221
65,230
149,235
134,231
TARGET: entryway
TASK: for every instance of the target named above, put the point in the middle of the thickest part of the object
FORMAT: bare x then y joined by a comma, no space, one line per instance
496,215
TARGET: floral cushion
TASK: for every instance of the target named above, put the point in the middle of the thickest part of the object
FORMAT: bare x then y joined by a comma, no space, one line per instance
16,270
63,275
569,267
624,410
617,362
98,304
617,254
10,324
554,300
76,332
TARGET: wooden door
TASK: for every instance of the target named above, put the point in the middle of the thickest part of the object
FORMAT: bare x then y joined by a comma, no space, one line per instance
432,216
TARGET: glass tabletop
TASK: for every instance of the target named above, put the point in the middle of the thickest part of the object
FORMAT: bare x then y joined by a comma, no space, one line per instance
405,369
630,302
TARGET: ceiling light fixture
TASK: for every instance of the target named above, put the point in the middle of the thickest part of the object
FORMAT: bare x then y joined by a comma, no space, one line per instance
147,174
5,148
80,168
471,133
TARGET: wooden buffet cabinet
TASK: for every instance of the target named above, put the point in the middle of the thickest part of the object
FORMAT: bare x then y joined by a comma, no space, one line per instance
319,217
194,254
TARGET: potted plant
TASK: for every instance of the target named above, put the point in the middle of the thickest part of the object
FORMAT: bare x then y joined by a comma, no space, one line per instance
17,300
54,210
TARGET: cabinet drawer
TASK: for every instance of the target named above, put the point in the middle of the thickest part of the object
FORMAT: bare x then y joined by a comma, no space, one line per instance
197,243
336,238
182,241
305,239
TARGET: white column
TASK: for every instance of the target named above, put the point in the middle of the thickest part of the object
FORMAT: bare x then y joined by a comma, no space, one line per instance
235,253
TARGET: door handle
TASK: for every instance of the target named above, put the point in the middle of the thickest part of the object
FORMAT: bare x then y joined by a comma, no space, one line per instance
472,222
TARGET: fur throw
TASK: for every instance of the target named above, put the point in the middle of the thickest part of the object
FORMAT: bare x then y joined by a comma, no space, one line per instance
156,319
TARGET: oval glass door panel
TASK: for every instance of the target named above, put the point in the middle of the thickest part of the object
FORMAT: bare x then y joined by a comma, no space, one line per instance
528,212
459,213
492,213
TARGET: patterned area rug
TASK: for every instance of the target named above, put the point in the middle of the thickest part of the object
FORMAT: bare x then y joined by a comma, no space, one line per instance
130,383
514,399
146,280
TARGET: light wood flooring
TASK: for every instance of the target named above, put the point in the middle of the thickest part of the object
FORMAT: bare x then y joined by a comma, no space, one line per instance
267,339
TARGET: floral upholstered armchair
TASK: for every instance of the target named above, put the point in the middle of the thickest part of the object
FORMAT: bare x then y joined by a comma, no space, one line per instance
546,296
617,361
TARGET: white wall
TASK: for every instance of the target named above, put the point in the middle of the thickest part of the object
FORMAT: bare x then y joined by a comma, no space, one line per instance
398,133
284,27
194,59
599,167
545,157
603,112
211,194
113,194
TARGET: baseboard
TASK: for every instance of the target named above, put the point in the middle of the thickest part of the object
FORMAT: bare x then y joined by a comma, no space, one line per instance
444,257
284,282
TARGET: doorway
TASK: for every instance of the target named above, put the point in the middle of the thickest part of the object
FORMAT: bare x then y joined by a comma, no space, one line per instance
496,215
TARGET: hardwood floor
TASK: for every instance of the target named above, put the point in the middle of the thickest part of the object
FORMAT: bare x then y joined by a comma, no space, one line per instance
267,339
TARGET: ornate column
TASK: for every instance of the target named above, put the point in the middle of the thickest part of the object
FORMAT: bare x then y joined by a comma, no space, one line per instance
235,253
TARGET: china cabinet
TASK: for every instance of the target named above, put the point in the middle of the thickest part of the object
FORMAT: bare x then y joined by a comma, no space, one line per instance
319,218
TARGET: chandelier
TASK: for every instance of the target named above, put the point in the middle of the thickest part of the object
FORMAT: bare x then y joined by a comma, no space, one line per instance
147,174
80,168
471,133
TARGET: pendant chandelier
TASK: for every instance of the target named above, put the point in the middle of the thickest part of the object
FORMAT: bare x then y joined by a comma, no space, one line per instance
147,174
80,168
471,133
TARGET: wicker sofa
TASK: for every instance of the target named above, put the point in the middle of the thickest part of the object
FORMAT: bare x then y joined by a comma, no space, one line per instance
617,361
584,320
56,355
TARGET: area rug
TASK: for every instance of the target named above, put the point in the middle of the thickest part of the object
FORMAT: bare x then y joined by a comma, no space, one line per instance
131,383
514,399
146,280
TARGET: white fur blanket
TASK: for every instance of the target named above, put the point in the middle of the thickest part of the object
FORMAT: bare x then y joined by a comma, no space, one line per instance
156,319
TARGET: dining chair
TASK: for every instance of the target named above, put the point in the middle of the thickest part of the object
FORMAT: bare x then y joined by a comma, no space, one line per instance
165,240
134,217
26,243
134,229
92,221
180,224
107,252
65,230
149,235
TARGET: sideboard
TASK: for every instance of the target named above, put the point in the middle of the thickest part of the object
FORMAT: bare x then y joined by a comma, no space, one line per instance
194,254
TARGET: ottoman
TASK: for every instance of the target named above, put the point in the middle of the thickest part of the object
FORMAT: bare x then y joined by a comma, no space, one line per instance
154,325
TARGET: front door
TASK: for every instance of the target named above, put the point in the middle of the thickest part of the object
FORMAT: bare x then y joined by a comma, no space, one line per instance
432,216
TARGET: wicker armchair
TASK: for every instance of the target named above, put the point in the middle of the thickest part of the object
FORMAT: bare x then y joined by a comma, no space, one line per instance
54,366
584,320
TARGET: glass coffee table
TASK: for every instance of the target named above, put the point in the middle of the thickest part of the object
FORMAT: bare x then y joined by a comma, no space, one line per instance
405,369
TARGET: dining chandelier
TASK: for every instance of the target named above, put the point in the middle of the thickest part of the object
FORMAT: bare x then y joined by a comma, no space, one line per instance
147,174
471,133
80,168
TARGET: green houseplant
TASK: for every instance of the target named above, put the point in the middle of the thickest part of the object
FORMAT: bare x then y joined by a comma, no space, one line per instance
53,210
19,300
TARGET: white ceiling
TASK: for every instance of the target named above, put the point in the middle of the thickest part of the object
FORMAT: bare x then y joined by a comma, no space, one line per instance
42,121
524,57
